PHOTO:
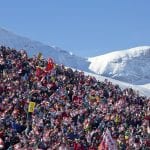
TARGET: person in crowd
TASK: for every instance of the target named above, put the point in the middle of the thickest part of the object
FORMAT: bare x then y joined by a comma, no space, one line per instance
46,106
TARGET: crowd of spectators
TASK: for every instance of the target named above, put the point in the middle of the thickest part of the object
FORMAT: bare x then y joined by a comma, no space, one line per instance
72,110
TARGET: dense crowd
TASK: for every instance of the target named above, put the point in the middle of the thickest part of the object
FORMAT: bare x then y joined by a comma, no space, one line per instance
72,110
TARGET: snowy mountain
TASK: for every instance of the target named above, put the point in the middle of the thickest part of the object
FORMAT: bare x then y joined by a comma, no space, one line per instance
141,89
132,65
60,56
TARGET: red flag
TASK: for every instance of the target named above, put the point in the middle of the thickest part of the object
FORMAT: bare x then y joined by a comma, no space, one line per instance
107,142
50,65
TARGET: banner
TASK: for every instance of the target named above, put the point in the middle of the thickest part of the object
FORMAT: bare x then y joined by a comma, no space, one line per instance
31,106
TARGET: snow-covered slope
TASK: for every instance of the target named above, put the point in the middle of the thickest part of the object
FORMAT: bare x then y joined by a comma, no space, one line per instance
146,86
60,56
132,65
141,89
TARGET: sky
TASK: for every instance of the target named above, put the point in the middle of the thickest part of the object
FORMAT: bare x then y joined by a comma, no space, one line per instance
85,27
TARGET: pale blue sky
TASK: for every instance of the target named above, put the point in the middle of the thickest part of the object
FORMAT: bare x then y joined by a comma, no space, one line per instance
85,27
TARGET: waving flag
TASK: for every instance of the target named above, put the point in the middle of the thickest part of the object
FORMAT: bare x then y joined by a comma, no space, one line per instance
31,106
107,143
50,65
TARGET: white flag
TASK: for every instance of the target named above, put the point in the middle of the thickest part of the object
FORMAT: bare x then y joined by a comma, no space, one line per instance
107,142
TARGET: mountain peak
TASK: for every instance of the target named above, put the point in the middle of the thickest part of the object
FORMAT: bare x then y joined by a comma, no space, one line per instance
131,65
60,56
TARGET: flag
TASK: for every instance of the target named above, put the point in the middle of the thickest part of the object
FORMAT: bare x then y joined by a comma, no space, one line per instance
31,106
39,56
107,142
50,65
